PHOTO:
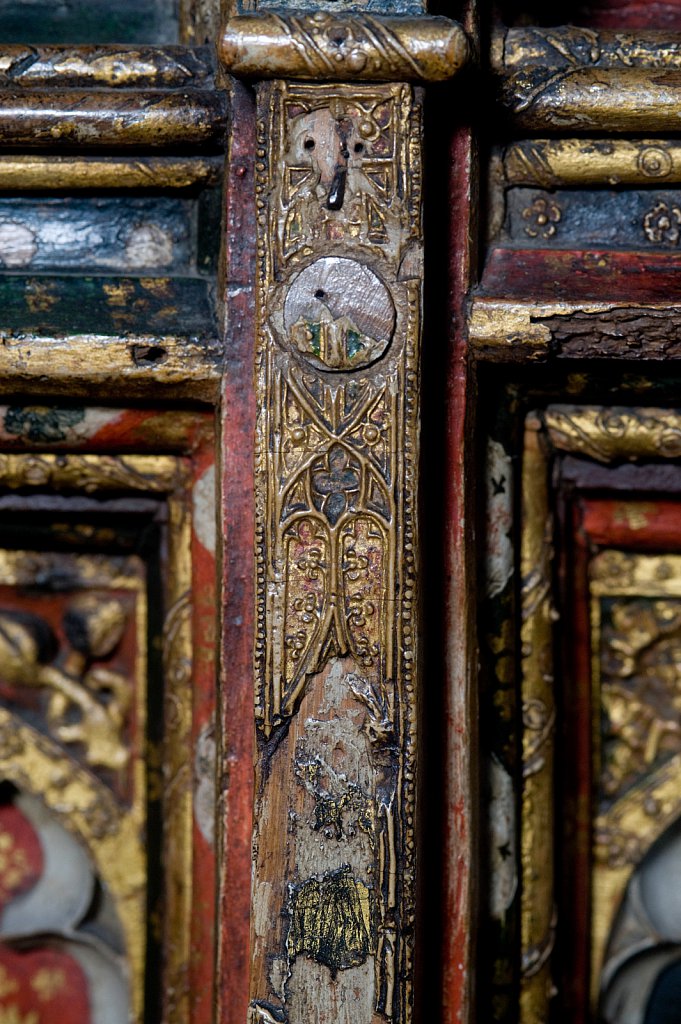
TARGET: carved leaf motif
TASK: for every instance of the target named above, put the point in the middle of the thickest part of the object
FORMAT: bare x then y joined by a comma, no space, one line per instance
307,553
364,570
87,705
641,670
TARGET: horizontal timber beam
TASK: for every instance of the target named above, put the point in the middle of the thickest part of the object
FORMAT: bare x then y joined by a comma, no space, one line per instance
321,46
576,79
85,366
555,163
33,172
90,119
111,67
515,331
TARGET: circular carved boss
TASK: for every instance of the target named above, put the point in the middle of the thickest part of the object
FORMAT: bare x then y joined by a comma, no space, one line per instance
338,314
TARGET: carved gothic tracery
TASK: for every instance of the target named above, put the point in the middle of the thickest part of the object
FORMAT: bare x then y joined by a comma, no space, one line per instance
339,311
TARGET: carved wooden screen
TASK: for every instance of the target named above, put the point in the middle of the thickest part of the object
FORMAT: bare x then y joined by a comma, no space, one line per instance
572,325
113,137
216,465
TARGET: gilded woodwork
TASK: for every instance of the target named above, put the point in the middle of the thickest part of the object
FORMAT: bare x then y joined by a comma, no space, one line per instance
109,96
107,811
339,46
89,119
555,163
339,278
36,173
578,79
87,768
538,717
636,659
170,365
639,757
111,67
610,433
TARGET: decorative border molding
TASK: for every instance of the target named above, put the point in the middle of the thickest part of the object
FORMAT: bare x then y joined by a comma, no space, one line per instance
336,545
110,830
571,78
607,434
324,46
555,163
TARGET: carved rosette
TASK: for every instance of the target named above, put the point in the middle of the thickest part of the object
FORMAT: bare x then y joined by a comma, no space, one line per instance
339,293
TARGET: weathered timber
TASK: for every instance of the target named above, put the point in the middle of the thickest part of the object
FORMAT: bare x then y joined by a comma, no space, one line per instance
341,47
630,331
575,275
115,67
106,234
582,80
90,119
506,330
106,306
26,173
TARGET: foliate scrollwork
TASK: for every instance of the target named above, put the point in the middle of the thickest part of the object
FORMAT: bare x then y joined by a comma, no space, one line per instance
90,473
339,194
72,669
640,668
614,432
87,704
636,638
556,78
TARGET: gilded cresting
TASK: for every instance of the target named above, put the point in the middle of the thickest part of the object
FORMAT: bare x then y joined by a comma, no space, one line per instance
338,197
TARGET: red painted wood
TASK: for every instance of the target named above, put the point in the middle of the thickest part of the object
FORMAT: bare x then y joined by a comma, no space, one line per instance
205,622
42,986
237,425
459,742
547,275
631,14
574,775
21,854
640,524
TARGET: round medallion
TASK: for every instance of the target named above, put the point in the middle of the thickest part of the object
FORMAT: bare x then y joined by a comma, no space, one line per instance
655,162
338,314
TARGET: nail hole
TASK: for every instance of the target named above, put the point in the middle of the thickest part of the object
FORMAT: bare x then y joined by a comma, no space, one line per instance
359,147
309,143
320,293
148,355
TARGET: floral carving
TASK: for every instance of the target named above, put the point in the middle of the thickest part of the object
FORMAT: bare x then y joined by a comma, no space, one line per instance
542,216
662,224
336,483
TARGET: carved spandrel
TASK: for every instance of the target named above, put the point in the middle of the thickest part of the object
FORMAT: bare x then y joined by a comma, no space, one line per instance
339,321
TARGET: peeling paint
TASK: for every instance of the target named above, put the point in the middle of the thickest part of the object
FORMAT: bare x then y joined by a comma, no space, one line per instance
204,510
204,774
504,882
499,480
